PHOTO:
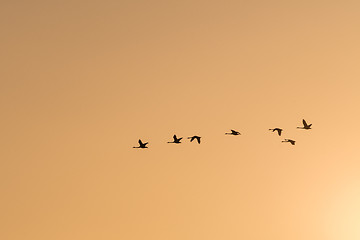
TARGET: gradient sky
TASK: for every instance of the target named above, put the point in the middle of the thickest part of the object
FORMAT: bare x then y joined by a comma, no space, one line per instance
82,81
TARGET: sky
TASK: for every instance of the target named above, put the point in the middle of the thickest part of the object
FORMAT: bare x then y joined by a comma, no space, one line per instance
82,81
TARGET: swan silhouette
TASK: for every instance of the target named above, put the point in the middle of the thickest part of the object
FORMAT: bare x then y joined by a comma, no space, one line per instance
233,132
290,141
306,126
141,144
194,137
279,130
176,140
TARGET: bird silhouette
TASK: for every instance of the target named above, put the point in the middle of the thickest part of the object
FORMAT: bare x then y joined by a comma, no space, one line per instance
233,132
141,144
290,141
279,130
176,140
194,137
306,126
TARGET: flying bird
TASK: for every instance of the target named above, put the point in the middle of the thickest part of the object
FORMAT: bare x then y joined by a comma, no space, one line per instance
194,137
176,140
141,144
233,132
279,130
290,141
306,126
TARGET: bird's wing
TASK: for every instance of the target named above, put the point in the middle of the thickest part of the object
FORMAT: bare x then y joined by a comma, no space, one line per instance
293,142
180,138
192,139
174,137
279,132
145,143
198,139
140,142
304,122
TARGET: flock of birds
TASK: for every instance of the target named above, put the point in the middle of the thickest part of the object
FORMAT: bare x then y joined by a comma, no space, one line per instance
233,132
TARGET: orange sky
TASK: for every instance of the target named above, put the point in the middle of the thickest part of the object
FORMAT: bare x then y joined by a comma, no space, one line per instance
82,81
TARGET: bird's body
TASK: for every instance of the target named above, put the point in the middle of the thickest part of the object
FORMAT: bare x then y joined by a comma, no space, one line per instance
279,130
290,141
306,126
176,140
233,132
141,144
194,137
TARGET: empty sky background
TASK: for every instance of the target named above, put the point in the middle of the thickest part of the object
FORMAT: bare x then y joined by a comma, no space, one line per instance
82,81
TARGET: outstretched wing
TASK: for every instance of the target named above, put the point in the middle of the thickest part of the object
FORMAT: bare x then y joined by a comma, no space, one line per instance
198,139
192,139
140,142
174,137
279,131
234,132
179,139
304,122
292,142
145,143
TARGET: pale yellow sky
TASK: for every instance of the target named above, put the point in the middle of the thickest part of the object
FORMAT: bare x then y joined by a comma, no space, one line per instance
82,81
